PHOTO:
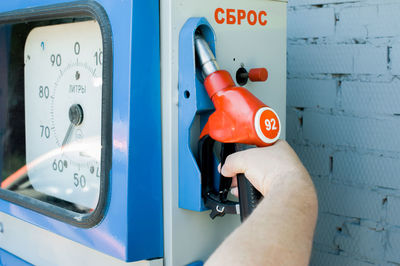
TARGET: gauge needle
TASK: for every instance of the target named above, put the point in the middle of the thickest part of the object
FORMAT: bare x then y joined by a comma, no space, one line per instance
69,131
75,117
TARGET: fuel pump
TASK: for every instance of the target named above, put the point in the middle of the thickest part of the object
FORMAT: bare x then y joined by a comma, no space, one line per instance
110,156
239,118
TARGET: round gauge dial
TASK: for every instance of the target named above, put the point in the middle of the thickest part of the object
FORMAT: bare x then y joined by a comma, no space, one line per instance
63,107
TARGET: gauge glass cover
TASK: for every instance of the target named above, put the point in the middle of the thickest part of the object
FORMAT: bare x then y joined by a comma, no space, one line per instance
63,107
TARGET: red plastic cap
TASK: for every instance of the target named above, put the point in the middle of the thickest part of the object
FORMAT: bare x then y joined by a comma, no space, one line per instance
258,74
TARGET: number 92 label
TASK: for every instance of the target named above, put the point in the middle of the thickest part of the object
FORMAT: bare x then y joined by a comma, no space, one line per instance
267,125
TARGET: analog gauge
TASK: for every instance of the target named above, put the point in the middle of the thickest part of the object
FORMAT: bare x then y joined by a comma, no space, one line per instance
63,108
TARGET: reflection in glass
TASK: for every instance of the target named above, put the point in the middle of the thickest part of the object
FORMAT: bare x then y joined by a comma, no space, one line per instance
50,111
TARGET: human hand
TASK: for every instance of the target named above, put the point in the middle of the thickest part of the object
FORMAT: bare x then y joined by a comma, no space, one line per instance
280,230
266,167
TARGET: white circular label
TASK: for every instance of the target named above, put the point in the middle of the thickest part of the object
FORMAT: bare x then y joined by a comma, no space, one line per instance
267,125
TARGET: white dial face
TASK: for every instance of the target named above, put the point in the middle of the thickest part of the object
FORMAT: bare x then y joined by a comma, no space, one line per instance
63,106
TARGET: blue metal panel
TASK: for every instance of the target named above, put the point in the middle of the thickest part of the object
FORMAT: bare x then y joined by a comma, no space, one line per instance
145,168
4,52
196,263
132,226
8,259
193,101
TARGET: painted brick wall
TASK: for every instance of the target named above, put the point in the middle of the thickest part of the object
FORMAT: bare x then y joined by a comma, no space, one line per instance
344,122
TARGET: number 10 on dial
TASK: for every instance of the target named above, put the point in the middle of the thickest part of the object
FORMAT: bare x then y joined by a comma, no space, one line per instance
63,107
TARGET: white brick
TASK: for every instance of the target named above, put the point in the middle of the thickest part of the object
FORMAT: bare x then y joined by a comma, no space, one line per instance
370,60
328,227
376,134
348,201
302,24
388,22
353,21
315,159
321,58
370,98
393,246
361,241
395,59
311,93
393,211
359,169
293,127
337,59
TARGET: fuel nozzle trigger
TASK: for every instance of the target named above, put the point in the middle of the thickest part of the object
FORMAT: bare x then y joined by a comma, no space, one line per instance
215,198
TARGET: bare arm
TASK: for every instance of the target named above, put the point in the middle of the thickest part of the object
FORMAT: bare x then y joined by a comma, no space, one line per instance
281,228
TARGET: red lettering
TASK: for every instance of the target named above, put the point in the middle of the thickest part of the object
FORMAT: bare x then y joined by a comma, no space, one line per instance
241,14
230,19
216,15
262,22
249,20
232,16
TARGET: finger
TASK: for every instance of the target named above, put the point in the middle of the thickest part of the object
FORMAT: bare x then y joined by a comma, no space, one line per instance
235,192
234,181
219,168
234,164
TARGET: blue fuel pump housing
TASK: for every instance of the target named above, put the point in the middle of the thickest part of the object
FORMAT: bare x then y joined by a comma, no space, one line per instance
127,221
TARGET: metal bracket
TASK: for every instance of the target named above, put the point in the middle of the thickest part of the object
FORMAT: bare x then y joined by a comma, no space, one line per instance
194,109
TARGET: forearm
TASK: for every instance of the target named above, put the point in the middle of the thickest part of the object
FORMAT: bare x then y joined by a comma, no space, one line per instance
279,232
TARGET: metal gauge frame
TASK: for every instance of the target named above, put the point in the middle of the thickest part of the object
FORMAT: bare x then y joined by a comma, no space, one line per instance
79,9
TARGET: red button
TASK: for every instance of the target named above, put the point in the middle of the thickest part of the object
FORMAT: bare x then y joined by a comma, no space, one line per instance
258,74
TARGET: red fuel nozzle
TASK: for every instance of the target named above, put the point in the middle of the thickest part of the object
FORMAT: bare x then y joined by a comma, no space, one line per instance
240,117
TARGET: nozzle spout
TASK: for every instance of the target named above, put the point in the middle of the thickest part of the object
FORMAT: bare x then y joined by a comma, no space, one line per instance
205,56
